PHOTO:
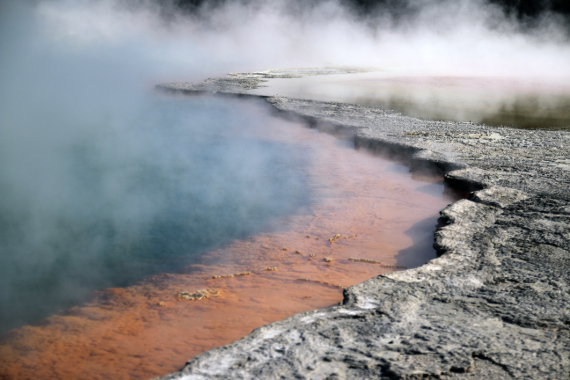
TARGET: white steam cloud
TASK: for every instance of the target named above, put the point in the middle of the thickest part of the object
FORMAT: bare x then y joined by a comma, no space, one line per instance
77,126
466,37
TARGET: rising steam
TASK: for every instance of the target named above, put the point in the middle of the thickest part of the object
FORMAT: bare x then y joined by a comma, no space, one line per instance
467,37
91,161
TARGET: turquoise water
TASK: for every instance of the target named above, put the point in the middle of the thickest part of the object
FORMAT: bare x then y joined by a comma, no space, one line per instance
108,204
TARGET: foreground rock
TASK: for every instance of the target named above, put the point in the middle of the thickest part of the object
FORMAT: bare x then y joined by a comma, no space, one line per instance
495,304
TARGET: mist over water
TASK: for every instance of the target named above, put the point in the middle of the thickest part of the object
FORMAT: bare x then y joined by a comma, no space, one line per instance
465,37
495,101
103,182
100,180
147,196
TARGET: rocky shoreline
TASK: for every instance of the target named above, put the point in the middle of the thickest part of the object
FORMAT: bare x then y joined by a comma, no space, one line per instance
495,303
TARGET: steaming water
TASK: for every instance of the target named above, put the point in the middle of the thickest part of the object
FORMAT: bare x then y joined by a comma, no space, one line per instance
323,187
181,177
101,186
539,102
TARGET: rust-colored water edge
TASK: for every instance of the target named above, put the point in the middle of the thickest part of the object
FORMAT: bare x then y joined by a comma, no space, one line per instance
367,217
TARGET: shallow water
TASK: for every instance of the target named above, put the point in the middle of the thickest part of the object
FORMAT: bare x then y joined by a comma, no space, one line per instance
382,212
525,103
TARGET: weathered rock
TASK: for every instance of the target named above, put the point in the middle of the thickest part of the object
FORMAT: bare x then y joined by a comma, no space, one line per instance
495,303
240,83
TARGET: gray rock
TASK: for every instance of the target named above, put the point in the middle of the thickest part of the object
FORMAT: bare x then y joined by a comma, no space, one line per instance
240,83
495,303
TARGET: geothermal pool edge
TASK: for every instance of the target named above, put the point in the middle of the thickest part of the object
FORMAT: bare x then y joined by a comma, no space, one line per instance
494,304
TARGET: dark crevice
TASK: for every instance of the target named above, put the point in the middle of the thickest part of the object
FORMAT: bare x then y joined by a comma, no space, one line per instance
482,356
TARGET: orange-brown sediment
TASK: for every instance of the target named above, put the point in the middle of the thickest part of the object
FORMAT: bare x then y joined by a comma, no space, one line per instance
149,330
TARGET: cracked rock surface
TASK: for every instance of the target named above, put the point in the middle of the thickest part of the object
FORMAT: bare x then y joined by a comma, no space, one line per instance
495,304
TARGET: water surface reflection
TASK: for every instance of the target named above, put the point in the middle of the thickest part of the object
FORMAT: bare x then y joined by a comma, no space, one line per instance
529,103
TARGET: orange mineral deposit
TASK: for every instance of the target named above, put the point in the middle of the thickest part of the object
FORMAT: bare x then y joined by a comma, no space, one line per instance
154,327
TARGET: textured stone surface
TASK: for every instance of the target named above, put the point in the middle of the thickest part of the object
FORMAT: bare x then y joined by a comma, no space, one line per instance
495,303
240,83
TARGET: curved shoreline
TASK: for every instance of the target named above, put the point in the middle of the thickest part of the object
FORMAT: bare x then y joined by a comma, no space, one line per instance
494,304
